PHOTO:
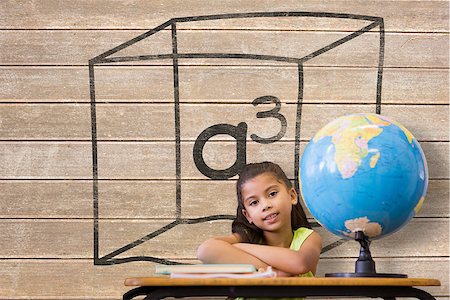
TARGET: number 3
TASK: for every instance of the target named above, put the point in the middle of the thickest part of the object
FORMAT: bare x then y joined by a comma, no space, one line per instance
273,113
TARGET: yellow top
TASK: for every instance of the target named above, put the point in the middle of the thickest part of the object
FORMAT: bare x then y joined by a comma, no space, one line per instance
300,236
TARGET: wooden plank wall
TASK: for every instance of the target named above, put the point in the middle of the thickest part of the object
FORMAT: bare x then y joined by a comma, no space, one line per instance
48,246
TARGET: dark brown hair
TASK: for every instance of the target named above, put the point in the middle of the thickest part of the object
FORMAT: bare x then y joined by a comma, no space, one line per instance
249,233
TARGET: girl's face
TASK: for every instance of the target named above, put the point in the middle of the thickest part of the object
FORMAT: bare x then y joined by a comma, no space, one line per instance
267,202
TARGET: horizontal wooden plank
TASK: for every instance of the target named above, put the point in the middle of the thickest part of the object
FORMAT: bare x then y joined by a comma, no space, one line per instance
46,47
143,121
49,239
151,160
74,199
49,122
432,119
221,83
416,15
83,280
399,87
146,199
436,154
46,160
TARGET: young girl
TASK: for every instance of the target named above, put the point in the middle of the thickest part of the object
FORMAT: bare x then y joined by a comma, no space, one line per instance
270,228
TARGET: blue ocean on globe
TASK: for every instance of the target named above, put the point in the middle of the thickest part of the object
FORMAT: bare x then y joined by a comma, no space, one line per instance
363,172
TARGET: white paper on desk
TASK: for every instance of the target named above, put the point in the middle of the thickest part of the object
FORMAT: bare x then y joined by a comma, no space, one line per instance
266,274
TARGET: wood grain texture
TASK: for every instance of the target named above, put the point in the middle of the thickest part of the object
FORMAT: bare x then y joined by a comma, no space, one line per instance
46,160
30,239
46,220
155,84
422,16
121,122
155,160
279,281
127,199
48,47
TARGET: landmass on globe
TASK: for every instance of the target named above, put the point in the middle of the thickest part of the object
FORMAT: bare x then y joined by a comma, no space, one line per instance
351,146
370,229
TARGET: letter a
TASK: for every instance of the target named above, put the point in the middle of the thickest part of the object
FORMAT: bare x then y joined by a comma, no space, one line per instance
239,133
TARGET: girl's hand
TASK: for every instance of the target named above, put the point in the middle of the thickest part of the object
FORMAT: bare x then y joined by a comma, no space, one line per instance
278,272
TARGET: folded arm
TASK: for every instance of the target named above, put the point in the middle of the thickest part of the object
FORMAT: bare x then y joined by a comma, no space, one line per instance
222,250
287,260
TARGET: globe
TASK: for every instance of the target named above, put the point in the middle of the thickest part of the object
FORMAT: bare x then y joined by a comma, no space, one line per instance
363,172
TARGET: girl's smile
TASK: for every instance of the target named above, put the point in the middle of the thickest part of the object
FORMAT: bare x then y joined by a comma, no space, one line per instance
272,218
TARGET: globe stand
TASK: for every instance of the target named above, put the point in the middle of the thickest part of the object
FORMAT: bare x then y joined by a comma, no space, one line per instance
365,265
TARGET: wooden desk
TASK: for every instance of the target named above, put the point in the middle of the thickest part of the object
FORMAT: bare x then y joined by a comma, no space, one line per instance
387,288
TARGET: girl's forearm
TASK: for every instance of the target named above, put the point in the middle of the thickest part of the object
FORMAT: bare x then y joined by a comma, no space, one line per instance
283,259
216,251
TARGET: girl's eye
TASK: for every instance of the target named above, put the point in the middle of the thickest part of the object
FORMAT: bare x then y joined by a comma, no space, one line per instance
253,202
273,193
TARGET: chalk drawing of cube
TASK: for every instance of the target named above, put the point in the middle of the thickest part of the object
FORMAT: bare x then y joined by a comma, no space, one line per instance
177,111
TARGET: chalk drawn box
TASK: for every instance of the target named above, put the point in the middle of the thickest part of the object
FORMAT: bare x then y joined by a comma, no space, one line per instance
177,111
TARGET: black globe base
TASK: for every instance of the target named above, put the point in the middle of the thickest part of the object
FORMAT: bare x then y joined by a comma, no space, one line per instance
366,275
365,265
